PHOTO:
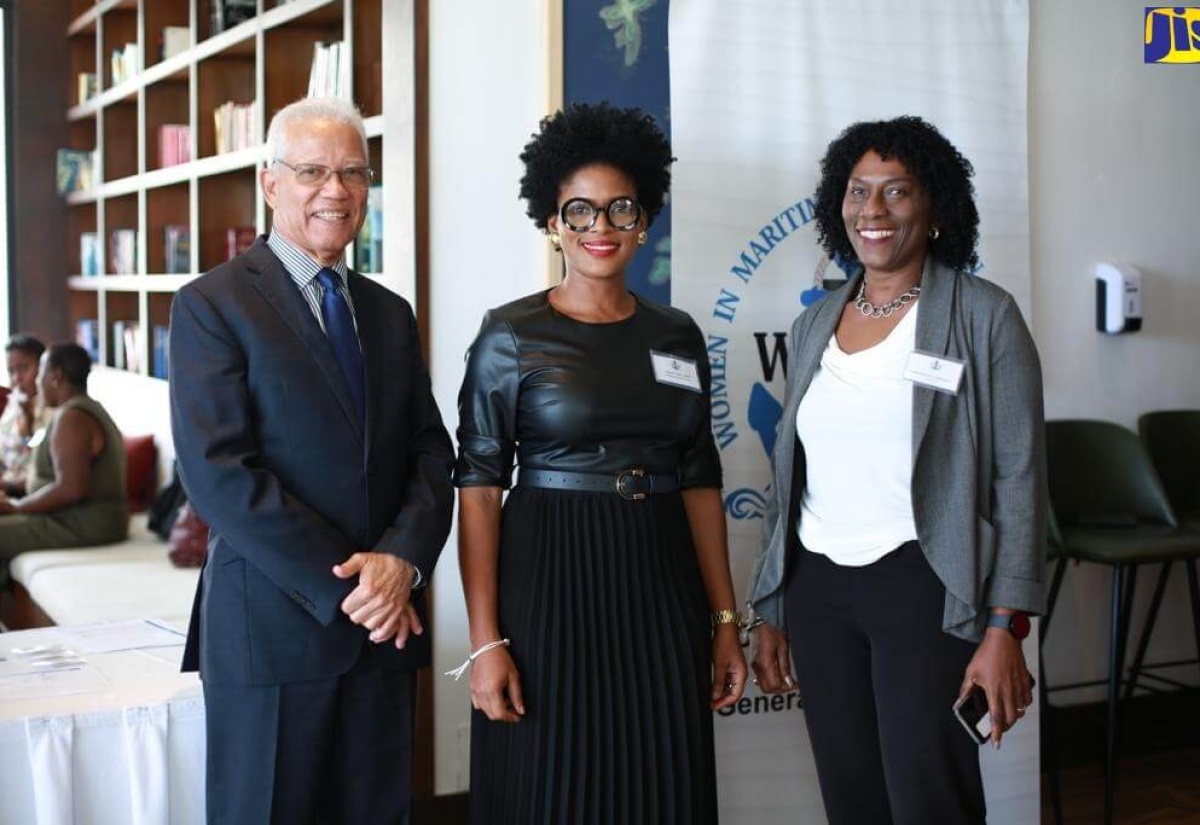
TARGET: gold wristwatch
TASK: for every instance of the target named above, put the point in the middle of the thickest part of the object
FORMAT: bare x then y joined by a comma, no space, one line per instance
726,617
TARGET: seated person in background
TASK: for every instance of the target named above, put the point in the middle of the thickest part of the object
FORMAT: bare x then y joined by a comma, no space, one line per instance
23,415
76,479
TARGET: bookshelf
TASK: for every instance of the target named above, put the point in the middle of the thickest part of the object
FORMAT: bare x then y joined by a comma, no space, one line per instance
146,189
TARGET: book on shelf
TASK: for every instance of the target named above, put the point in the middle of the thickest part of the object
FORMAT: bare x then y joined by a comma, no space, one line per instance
122,251
127,345
135,345
368,246
329,75
125,63
75,170
87,335
238,239
228,13
177,249
159,351
235,126
87,86
174,144
89,254
175,40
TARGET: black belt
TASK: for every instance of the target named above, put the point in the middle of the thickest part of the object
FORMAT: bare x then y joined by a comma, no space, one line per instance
633,484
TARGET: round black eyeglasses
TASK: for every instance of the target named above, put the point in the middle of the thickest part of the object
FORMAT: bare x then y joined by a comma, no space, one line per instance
580,215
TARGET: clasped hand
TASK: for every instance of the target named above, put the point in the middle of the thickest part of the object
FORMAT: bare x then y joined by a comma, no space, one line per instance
381,601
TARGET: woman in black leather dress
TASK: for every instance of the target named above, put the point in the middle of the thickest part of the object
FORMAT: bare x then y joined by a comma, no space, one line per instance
599,599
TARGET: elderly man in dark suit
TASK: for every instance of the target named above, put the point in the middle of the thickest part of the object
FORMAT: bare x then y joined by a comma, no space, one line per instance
309,440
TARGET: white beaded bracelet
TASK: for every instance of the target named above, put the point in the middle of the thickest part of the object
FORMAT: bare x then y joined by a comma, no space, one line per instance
461,669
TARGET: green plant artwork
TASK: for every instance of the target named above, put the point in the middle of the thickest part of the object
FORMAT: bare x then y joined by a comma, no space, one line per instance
621,17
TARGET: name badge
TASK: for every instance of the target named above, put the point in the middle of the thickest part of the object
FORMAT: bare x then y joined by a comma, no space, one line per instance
937,372
37,438
675,370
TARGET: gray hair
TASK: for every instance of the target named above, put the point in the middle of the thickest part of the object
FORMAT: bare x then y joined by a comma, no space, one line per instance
307,109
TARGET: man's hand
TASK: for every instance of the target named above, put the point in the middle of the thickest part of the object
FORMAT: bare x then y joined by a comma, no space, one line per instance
380,602
6,504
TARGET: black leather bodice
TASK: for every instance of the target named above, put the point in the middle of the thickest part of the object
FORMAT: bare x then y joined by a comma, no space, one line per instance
565,395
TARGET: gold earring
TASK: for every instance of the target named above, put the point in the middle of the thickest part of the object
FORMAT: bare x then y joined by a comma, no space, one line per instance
556,239
934,233
642,238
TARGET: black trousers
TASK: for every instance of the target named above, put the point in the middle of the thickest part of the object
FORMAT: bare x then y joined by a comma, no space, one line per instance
327,751
878,677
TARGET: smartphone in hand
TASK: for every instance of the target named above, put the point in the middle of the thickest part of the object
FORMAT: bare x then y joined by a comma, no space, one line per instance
973,714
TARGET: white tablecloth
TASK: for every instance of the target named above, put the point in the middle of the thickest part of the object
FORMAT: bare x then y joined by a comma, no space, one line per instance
131,751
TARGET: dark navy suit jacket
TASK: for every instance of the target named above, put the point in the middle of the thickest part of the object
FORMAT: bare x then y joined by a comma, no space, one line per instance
273,456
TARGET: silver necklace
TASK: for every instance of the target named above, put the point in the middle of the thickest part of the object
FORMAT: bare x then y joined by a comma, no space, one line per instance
883,310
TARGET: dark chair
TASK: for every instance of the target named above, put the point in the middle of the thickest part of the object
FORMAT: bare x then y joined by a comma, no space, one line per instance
1056,559
1172,438
1112,510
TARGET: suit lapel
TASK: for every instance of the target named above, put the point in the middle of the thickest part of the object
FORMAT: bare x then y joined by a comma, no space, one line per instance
278,290
932,336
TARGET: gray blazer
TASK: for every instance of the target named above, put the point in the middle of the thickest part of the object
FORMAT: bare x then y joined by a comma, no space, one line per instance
979,459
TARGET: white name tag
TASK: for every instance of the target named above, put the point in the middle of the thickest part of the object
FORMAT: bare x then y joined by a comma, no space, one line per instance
934,371
675,370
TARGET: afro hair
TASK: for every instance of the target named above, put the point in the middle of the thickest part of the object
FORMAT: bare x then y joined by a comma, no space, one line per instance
939,168
583,134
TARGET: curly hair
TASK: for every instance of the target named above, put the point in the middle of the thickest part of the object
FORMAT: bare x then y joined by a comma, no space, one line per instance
585,133
939,168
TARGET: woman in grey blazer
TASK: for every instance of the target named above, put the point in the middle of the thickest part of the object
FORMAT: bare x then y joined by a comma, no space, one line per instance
904,541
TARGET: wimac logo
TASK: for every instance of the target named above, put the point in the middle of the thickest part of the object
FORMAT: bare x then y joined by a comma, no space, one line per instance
1172,34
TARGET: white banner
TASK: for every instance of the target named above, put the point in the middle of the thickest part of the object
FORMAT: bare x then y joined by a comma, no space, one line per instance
758,90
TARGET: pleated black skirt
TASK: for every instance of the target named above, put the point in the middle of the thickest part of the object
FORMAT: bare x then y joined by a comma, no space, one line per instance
608,617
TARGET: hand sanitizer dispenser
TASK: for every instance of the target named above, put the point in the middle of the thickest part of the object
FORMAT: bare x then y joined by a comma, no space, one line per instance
1118,298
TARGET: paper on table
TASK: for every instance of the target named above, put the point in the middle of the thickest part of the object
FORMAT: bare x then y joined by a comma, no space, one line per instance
86,679
114,636
23,661
170,656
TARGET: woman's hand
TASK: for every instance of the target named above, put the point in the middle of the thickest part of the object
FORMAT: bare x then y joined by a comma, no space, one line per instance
998,667
496,686
729,667
6,504
772,660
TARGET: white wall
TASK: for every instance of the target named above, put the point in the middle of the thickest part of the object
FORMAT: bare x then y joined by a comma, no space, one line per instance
487,92
1113,176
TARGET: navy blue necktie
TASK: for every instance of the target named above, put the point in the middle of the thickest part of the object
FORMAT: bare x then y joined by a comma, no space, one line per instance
339,328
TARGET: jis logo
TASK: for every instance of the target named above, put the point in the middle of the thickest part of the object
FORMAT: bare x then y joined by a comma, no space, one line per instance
1172,34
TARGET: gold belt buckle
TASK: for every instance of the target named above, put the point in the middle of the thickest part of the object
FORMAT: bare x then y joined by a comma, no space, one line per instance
625,475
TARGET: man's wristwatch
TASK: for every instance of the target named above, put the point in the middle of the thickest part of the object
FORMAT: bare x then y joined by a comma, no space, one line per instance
1015,623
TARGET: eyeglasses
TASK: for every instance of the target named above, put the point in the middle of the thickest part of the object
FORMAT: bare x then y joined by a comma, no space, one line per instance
580,215
314,174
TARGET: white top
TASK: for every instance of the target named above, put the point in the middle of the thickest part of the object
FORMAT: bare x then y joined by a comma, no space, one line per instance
855,423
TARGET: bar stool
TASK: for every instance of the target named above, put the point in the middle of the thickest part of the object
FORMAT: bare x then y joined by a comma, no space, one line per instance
1172,439
1055,558
1112,510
